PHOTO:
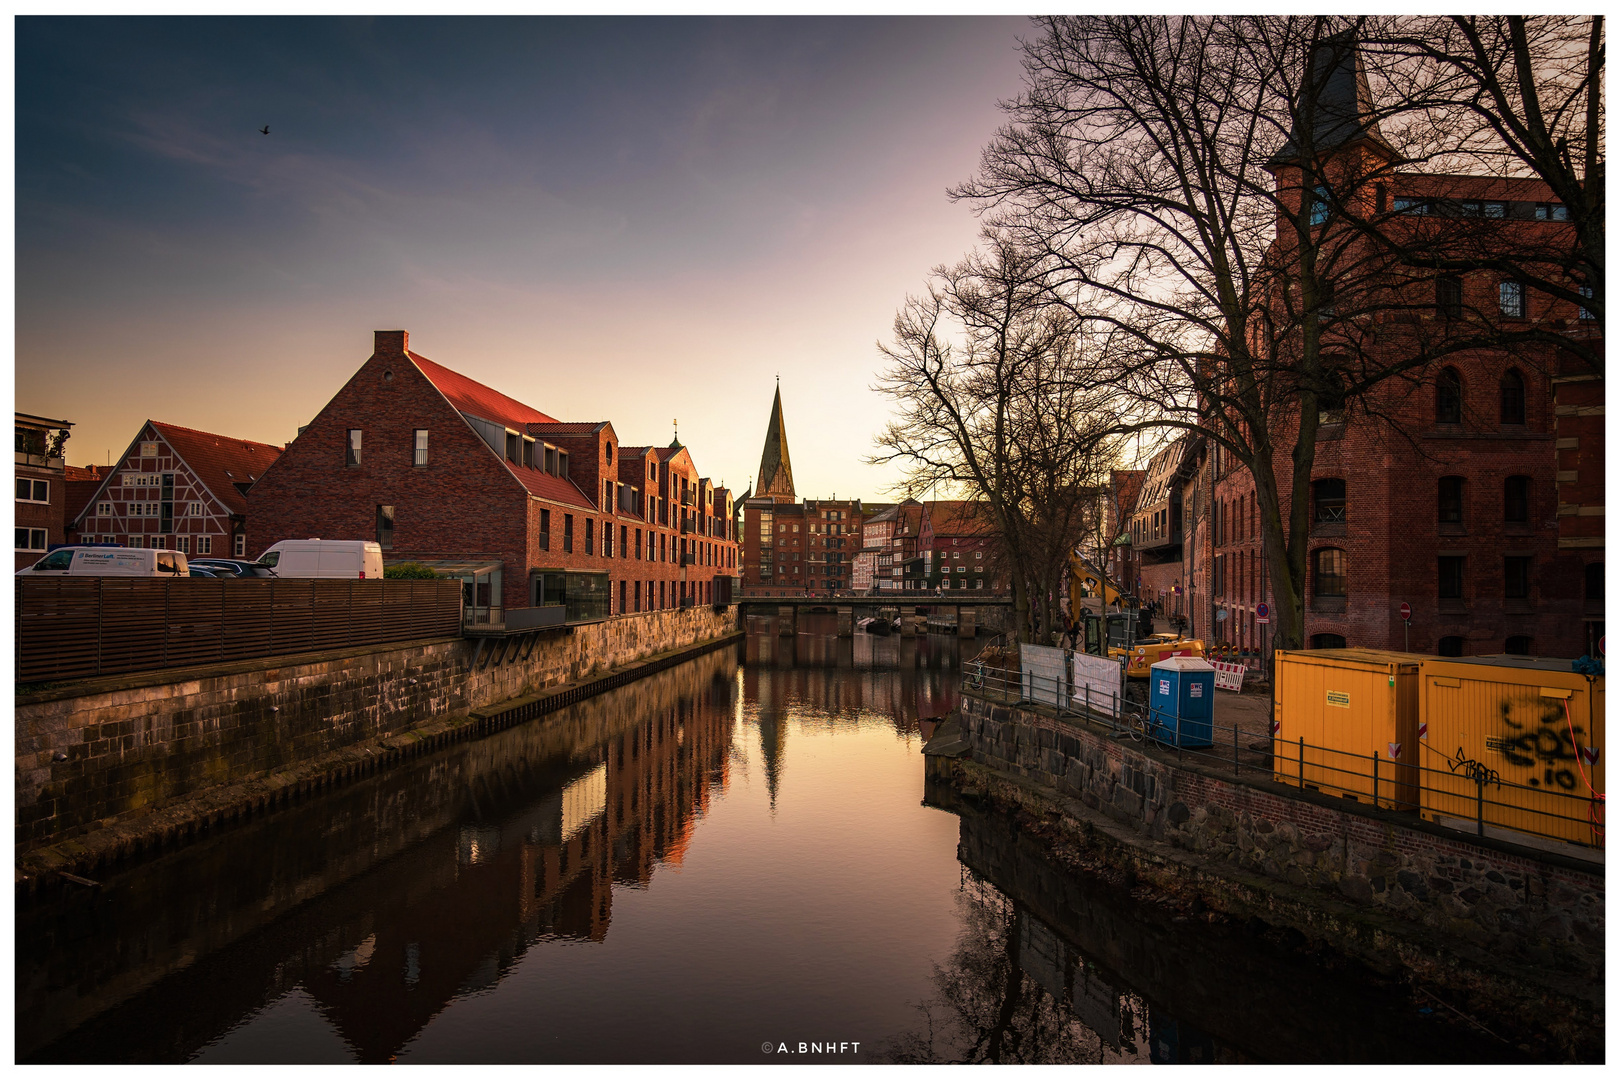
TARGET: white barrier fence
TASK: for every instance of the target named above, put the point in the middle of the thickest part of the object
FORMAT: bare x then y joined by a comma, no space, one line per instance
1228,676
1072,681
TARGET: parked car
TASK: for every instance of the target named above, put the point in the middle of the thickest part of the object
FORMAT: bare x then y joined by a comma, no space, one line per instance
206,572
317,558
98,561
241,568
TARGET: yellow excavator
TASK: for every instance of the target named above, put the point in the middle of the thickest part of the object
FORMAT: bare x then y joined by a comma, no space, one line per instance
1114,625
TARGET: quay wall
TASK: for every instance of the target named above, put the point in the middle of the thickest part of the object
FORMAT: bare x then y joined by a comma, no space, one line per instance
1542,911
91,751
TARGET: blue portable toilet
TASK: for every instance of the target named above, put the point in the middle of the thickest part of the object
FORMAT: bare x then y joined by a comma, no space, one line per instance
1181,702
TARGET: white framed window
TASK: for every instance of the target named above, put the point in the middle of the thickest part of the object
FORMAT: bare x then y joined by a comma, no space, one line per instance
183,545
149,449
38,491
194,509
1511,297
241,546
978,554
205,545
104,510
419,453
31,539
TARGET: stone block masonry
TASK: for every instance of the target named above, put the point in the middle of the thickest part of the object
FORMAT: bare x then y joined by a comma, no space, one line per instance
93,752
1544,912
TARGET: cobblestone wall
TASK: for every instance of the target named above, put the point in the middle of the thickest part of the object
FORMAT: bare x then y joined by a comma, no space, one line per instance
90,752
1515,905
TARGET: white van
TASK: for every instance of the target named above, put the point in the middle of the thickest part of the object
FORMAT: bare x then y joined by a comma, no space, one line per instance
324,558
110,562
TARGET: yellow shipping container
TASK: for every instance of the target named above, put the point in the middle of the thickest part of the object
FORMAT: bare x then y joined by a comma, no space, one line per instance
1532,724
1350,706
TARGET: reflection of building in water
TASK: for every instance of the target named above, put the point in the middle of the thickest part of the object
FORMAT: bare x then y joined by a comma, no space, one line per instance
545,871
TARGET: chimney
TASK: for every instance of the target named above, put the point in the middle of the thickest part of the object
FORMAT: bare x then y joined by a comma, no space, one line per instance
391,343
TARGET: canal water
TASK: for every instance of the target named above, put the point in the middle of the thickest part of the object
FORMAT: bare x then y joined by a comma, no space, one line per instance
735,860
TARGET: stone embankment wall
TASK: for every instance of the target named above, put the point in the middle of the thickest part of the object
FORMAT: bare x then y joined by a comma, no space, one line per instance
93,750
1547,912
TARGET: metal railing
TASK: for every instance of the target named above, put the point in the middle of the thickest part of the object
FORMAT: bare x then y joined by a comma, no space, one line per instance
1455,793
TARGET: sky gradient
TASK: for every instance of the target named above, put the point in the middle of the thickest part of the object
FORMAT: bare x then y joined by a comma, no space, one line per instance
631,219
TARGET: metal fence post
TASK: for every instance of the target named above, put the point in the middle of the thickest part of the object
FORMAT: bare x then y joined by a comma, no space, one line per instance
1302,763
1375,778
1237,767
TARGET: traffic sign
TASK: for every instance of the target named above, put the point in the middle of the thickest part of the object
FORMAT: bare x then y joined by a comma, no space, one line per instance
1262,612
1406,611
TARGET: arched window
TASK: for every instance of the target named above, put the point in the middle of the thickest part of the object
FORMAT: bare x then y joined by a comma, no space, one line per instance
1448,397
1516,500
1327,500
1518,645
1330,573
1513,397
1451,500
1327,641
1451,646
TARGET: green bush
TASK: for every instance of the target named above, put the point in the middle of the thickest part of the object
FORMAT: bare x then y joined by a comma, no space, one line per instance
410,571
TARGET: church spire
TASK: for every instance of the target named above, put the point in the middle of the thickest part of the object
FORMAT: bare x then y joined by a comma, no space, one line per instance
775,470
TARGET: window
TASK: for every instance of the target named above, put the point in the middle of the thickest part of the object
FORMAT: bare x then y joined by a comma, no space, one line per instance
1586,312
149,449
551,460
1327,641
528,452
385,527
1512,411
104,509
1327,496
194,509
1552,212
1510,295
1516,577
183,545
624,541
419,452
1450,646
354,446
545,530
1448,296
1320,206
1451,577
638,546
1451,500
568,532
978,554
1594,581
607,540
1516,500
239,547
1411,206
1518,645
34,491
31,540
205,546
1448,395
1329,572
590,535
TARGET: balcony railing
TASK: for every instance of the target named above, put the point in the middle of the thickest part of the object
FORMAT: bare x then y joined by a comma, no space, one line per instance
40,461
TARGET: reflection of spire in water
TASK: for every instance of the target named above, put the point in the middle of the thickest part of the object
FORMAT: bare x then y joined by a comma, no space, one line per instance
772,744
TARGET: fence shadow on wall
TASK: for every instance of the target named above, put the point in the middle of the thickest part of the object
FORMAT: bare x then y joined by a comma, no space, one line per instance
72,628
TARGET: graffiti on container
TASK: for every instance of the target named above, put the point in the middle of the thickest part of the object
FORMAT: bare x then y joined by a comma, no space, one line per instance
1476,771
1547,741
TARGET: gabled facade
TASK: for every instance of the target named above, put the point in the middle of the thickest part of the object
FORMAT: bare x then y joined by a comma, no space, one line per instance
957,549
176,487
441,469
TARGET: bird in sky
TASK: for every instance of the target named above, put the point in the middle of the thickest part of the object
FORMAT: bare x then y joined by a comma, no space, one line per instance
265,130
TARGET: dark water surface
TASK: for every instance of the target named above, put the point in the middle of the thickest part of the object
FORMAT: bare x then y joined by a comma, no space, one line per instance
735,852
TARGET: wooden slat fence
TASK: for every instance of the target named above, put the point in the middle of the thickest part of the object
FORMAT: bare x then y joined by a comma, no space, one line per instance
72,628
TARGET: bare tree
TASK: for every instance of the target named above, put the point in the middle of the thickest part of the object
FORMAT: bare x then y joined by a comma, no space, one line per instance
1205,194
983,370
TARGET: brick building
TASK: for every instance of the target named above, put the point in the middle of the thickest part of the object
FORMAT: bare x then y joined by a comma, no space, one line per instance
179,488
1156,527
443,470
1119,506
957,549
41,494
81,485
807,547
1453,499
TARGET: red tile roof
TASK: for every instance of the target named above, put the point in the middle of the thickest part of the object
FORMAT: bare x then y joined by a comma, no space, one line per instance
571,427
79,488
220,461
958,518
479,400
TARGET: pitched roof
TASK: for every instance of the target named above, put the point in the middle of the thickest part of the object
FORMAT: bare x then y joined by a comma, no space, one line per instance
220,461
476,398
775,470
570,427
958,517
79,487
1343,109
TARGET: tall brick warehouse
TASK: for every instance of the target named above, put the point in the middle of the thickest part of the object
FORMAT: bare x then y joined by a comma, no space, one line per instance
441,469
